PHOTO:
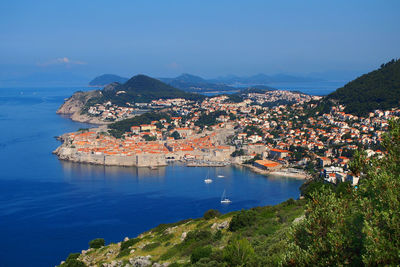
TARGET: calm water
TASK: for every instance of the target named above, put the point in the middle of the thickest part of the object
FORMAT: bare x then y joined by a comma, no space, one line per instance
49,208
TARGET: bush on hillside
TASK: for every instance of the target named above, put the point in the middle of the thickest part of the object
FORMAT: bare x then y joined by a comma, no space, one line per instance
211,214
201,252
97,243
242,219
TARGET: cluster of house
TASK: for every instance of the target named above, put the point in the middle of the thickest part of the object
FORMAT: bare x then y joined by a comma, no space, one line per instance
276,134
189,145
281,95
170,102
110,112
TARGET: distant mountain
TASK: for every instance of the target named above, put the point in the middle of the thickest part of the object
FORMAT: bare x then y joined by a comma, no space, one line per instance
192,83
138,89
379,89
263,79
105,79
142,88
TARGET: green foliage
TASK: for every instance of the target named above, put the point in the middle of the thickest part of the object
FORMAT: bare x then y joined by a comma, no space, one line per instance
200,252
379,89
252,130
97,243
149,138
151,246
239,253
234,98
72,256
163,226
218,235
358,227
237,153
312,186
211,214
176,135
72,261
164,237
242,219
209,119
127,244
120,127
358,163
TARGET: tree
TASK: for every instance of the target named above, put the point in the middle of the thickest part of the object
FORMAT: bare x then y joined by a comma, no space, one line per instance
97,243
358,163
354,227
176,135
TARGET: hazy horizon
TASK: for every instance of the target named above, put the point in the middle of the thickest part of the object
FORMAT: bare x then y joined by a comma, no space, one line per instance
78,41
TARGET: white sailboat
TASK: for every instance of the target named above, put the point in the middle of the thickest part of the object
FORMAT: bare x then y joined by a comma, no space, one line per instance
220,176
208,180
224,199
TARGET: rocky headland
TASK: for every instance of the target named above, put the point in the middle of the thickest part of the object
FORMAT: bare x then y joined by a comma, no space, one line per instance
74,105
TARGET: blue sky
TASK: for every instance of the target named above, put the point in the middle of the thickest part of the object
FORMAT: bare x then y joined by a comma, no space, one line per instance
207,38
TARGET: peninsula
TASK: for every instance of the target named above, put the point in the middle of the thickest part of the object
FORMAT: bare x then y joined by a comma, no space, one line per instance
273,132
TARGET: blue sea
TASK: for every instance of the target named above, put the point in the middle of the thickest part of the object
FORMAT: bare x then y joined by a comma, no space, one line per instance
50,208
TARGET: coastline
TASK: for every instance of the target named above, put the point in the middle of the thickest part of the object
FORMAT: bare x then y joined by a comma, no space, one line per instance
282,172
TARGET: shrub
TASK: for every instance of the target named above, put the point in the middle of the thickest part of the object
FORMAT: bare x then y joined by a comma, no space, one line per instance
165,237
201,252
97,243
72,256
72,261
151,246
211,214
218,235
242,219
198,235
238,253
129,243
169,253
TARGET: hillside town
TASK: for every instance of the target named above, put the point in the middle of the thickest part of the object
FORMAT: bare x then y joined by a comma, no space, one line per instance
283,139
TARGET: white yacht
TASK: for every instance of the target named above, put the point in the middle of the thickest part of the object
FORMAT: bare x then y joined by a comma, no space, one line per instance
208,180
224,199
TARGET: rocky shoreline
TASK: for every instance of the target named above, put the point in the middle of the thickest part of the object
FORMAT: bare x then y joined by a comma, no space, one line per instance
282,172
72,107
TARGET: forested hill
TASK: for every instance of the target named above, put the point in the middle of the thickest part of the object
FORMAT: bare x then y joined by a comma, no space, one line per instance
105,79
379,89
142,88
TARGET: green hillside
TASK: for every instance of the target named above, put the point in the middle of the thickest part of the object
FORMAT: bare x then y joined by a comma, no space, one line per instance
141,89
333,225
253,236
379,89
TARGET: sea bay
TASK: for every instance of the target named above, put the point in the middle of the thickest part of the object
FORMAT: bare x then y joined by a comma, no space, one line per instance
49,208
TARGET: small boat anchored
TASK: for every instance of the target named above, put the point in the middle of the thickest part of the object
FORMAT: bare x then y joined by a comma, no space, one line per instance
220,176
224,199
208,180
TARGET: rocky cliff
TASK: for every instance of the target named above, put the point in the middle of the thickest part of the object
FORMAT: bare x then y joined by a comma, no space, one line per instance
73,106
